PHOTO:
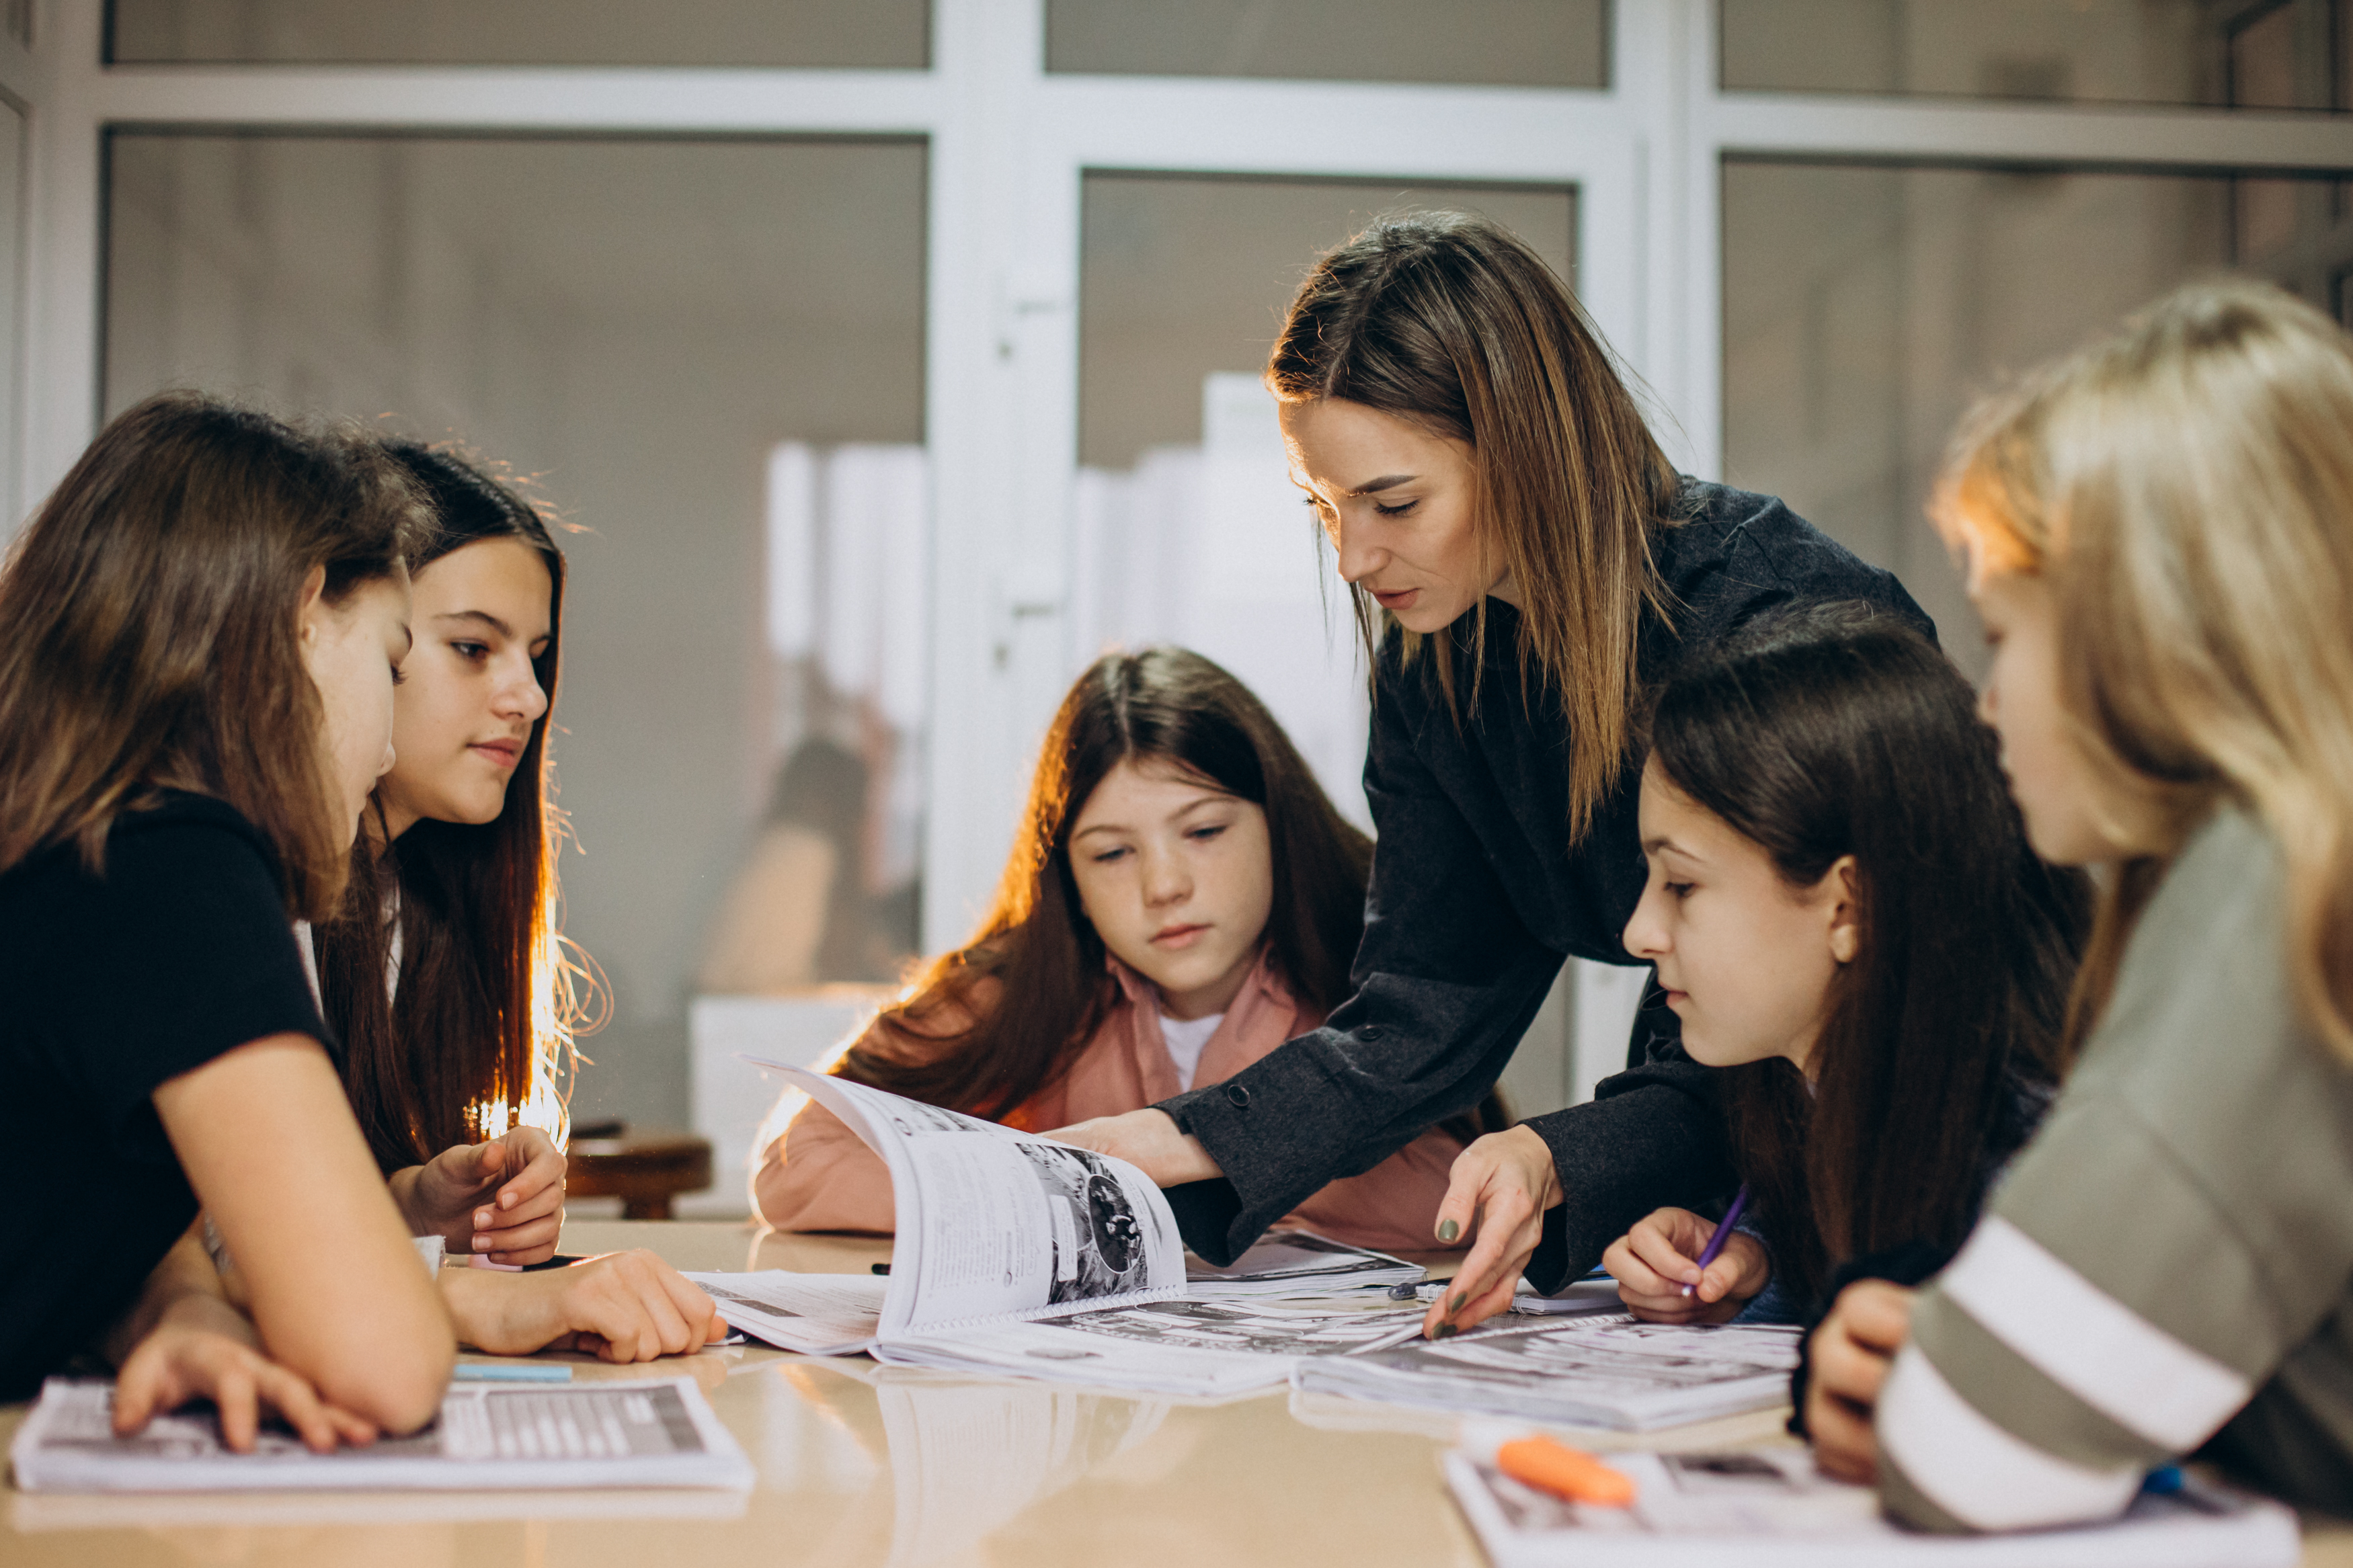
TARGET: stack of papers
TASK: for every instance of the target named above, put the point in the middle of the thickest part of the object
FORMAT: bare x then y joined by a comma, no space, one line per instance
1769,1508
1605,1370
1297,1263
655,1433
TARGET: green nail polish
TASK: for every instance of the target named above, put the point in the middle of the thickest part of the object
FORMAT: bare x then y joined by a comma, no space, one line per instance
1446,1330
1457,1304
1448,1230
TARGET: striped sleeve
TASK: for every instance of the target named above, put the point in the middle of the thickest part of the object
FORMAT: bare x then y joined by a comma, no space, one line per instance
2179,1230
2105,1318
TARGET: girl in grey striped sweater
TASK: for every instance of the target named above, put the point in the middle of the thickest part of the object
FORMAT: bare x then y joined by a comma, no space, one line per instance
2159,535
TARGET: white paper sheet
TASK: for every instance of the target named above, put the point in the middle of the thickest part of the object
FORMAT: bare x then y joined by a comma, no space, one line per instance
1769,1508
1194,1347
1602,1371
1297,1263
820,1314
653,1433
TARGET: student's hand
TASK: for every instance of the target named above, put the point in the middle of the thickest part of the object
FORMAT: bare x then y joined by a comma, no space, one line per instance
622,1307
502,1199
1503,1184
1849,1356
204,1349
1149,1141
1653,1262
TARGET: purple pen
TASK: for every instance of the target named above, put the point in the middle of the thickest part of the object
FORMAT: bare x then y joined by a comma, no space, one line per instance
1722,1234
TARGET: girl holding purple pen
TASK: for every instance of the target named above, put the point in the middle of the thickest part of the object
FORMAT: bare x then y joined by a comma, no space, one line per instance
1846,918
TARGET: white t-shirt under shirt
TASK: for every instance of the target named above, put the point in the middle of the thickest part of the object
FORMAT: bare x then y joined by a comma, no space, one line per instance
1186,1038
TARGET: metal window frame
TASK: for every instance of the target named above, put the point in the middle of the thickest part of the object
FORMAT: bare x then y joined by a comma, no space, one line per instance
1009,147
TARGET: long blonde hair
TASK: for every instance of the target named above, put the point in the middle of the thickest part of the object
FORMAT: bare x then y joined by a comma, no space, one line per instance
1449,321
2185,488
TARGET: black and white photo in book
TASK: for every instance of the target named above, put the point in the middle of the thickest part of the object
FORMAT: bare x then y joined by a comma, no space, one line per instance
1098,1243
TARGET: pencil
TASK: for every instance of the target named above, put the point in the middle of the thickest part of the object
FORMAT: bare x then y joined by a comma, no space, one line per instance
1722,1234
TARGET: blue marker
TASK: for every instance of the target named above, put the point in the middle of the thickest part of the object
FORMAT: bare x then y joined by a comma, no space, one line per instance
508,1372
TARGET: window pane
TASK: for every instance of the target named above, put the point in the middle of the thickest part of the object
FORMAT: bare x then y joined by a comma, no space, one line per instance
1188,528
869,33
1530,43
2283,55
1864,308
707,356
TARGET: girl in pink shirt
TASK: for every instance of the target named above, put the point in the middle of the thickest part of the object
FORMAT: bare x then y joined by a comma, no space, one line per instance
1181,900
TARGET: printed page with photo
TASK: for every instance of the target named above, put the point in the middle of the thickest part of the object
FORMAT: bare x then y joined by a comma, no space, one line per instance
995,1224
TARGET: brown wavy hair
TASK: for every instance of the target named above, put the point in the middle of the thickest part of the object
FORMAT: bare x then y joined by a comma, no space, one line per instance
149,630
476,902
2185,488
1451,321
1037,955
1839,732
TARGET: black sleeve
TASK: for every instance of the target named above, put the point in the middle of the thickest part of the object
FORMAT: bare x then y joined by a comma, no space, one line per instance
180,951
1446,981
1650,1137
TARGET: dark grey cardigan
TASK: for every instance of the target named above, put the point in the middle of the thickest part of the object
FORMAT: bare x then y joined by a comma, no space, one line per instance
1476,899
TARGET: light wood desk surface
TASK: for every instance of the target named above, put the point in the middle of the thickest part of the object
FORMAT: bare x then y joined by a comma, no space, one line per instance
899,1467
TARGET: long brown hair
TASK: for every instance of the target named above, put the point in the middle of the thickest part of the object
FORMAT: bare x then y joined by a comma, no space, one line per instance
1836,732
2185,488
1451,321
149,630
482,1008
1036,954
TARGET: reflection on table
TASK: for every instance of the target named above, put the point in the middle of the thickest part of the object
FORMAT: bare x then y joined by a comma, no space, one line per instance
899,1467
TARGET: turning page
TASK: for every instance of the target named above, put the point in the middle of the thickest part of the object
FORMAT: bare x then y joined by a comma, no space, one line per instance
994,1225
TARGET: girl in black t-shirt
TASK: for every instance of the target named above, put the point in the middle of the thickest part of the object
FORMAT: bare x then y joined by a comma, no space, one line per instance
199,637
444,977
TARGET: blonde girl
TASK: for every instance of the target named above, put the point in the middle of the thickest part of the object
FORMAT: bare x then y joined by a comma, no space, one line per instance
2159,535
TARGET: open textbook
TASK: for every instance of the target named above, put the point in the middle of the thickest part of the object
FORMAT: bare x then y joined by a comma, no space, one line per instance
1769,1508
995,1225
1603,1370
584,1434
997,1228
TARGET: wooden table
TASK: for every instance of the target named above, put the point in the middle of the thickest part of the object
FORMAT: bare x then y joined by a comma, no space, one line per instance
860,1464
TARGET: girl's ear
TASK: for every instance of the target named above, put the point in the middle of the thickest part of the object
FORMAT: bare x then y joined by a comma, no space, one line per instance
308,612
1846,910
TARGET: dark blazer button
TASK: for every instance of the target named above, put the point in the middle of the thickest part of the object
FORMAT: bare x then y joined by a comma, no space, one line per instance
1239,1095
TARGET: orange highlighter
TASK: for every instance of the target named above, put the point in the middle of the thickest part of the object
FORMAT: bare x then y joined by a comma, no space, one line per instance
1565,1472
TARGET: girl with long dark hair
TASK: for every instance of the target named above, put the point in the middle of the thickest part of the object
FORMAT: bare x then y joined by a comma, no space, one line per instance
200,632
1527,565
1182,898
1846,919
445,975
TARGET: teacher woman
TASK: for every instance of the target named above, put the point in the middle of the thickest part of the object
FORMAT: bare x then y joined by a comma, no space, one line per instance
1525,565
